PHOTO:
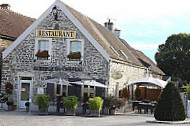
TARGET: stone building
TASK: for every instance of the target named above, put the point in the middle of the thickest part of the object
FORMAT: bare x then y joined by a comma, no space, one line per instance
65,44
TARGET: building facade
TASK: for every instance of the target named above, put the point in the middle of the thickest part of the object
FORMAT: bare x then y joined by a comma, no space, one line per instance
65,44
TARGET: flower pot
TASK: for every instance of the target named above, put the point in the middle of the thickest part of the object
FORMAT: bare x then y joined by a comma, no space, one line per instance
95,113
14,107
27,108
10,107
111,111
70,112
43,111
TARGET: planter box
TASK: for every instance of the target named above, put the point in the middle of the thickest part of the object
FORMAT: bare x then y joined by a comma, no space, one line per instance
27,108
70,112
188,108
111,111
10,107
43,111
95,113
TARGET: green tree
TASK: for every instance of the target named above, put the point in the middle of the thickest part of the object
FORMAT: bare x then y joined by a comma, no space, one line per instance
173,57
170,106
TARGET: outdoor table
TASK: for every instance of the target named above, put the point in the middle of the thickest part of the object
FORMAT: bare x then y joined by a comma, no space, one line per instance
146,106
135,103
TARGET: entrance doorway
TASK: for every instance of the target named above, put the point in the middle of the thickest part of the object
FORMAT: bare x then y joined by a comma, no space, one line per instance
25,92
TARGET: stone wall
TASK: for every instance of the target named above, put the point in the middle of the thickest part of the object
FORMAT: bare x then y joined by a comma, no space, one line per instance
5,43
22,58
129,73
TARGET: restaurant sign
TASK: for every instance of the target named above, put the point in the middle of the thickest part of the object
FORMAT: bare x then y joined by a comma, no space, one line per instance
55,33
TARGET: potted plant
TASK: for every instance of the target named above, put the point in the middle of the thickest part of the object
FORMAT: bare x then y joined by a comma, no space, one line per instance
74,55
42,101
70,103
95,105
27,104
124,93
10,105
137,93
42,54
112,103
8,88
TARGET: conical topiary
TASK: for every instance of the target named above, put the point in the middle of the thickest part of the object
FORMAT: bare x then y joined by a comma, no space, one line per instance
170,106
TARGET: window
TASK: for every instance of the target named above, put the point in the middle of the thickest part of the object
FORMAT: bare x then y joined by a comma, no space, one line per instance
123,54
42,48
75,46
114,51
43,45
58,89
75,49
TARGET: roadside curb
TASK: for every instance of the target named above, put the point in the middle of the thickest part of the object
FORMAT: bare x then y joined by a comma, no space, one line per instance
169,122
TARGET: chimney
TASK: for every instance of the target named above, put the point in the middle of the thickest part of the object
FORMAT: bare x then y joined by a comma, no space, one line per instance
109,25
117,32
5,6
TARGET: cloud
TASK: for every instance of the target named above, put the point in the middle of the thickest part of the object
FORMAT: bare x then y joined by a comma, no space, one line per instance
144,46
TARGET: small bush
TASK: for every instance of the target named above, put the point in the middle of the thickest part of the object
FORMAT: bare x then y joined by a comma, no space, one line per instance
113,102
9,102
43,101
27,103
95,103
138,92
70,102
170,105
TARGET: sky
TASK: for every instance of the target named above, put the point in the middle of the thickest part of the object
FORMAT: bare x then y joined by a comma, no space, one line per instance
144,24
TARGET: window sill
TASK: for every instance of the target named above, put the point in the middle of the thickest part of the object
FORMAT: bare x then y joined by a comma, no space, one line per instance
42,59
74,60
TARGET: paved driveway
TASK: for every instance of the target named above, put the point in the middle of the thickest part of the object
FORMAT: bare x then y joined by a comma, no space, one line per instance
20,118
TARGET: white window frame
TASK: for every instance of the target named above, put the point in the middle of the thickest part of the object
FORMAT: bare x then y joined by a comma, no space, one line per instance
37,46
114,51
82,46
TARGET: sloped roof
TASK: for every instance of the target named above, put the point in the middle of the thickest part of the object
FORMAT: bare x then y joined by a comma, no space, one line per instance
143,58
105,38
13,24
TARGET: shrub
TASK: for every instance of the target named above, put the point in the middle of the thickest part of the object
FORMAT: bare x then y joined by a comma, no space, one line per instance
43,101
113,102
27,103
9,102
137,92
95,103
70,102
8,88
187,90
124,93
170,105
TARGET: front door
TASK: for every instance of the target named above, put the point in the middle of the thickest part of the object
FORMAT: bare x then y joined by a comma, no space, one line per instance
24,92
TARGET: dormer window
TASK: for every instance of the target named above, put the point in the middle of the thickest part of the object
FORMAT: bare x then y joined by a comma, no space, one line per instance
123,54
114,51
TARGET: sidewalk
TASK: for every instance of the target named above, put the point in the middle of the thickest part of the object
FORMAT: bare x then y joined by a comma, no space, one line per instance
21,118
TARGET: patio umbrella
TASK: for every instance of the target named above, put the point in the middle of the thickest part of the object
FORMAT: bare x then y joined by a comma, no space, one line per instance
90,83
149,81
94,83
57,80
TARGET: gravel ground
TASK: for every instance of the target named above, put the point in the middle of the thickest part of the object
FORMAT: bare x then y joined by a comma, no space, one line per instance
21,118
